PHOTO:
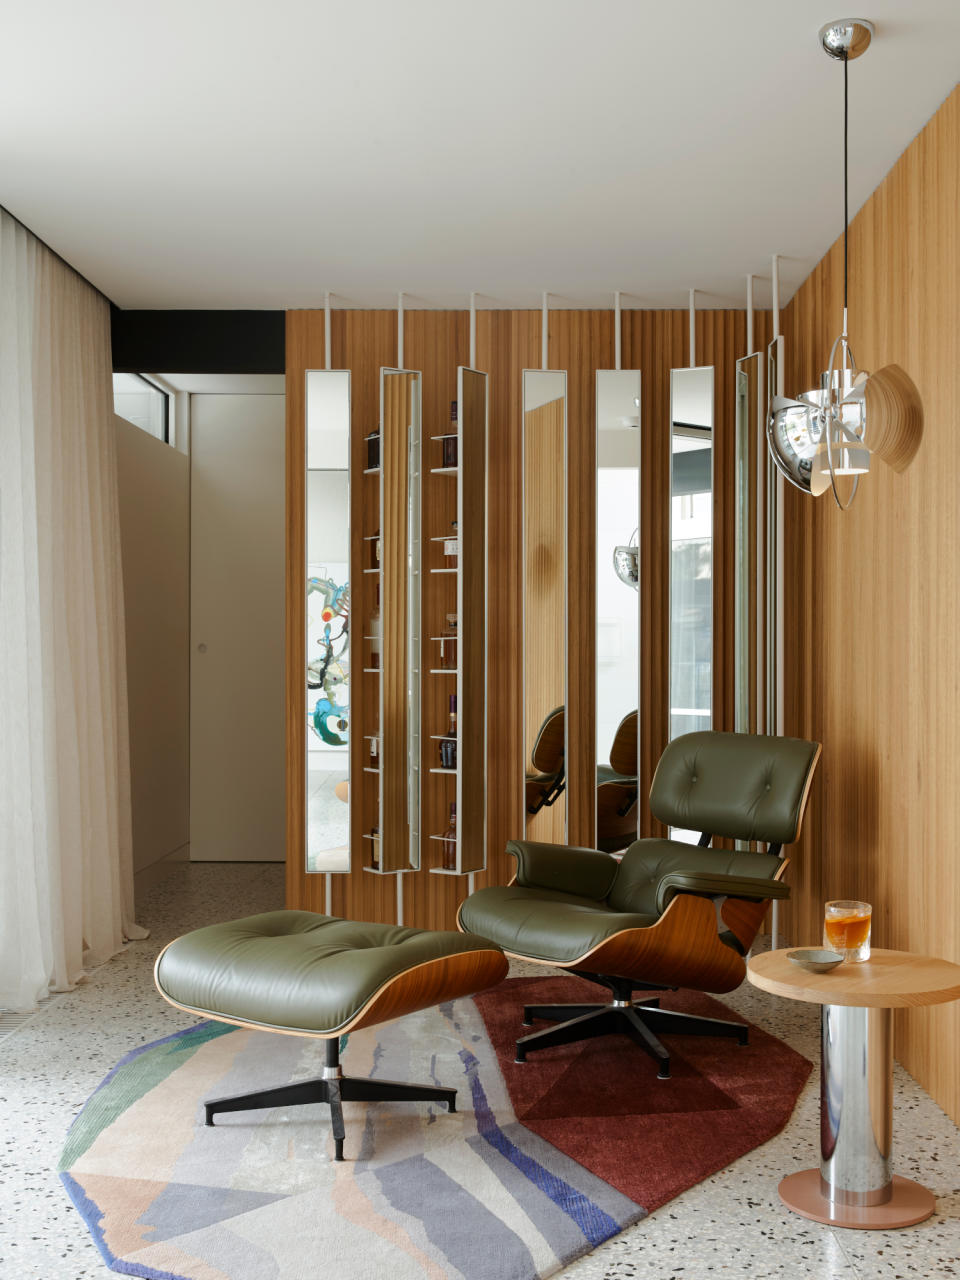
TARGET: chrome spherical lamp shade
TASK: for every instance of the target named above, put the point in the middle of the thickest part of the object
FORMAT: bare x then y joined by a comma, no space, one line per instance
794,432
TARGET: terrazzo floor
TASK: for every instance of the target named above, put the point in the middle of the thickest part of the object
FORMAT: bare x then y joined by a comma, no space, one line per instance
731,1225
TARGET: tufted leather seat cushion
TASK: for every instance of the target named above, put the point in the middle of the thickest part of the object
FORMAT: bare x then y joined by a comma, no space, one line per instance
647,861
298,971
545,923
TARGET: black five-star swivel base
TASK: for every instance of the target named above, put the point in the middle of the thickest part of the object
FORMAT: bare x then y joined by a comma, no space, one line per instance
333,1088
639,1019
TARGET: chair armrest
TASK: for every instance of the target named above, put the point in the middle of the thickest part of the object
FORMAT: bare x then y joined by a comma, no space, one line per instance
717,885
584,872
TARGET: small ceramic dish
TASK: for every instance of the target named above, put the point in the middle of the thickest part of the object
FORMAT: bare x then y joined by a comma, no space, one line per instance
816,960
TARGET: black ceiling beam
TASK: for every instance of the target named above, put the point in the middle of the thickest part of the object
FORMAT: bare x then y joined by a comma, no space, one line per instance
198,341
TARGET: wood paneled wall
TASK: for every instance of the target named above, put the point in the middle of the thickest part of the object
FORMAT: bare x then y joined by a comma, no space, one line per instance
873,607
508,342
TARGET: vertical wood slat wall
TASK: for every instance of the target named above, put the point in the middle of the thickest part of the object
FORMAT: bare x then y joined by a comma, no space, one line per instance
873,607
508,342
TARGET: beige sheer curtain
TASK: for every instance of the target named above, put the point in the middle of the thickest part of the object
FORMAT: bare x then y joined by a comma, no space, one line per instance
66,874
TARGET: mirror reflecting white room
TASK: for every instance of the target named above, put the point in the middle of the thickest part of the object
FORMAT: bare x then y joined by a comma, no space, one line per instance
617,605
328,620
691,549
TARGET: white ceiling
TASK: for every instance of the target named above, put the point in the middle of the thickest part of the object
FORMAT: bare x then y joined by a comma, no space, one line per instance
238,153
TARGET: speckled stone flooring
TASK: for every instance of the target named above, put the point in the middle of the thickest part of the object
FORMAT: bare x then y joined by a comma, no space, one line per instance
731,1225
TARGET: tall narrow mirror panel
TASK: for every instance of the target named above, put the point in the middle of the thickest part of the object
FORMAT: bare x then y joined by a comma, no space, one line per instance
544,602
691,549
749,561
618,605
455,626
327,528
392,669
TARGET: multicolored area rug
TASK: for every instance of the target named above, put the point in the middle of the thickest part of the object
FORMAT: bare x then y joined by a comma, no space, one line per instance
500,1190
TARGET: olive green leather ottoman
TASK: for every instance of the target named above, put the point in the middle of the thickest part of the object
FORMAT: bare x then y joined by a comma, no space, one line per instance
303,974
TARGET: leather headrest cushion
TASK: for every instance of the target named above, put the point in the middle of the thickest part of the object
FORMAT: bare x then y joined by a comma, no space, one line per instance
745,786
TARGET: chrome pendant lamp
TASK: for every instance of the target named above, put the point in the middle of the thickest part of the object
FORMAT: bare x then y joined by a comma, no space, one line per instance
821,434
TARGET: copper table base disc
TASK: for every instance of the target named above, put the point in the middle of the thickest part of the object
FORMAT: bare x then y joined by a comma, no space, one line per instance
909,1204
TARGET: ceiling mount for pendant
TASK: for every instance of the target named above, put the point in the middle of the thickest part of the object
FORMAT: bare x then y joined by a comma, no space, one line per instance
846,38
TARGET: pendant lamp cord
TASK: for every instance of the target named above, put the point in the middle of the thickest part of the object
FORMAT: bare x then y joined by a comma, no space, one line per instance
846,212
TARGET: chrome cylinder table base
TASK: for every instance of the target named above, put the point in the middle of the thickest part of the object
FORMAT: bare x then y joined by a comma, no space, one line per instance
854,1186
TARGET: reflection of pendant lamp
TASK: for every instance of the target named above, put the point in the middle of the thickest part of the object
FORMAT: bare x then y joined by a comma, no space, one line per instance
626,561
822,434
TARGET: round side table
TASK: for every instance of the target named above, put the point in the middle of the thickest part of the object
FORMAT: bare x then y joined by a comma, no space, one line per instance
854,1186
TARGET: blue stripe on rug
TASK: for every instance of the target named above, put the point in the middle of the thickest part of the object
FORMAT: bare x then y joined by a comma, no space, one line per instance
595,1224
471,1238
91,1214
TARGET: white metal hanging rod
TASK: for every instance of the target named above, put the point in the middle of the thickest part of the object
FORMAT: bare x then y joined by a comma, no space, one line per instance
327,335
473,330
693,328
544,331
749,315
617,339
776,295
400,329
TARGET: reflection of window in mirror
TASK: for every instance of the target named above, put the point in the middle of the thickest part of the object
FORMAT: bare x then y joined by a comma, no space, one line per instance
328,621
617,605
691,552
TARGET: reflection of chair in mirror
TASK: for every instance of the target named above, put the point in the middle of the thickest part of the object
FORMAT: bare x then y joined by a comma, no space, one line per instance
668,915
545,777
617,790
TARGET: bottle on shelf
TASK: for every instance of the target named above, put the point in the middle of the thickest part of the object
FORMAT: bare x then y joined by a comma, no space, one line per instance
374,751
449,855
448,652
448,644
450,441
375,550
448,743
376,632
373,449
375,848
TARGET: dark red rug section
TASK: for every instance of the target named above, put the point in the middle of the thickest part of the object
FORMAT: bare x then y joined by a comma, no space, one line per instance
600,1101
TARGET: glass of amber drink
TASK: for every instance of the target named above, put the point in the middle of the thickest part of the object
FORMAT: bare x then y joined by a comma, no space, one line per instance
846,928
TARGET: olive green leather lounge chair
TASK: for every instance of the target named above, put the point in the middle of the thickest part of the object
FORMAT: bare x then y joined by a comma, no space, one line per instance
668,915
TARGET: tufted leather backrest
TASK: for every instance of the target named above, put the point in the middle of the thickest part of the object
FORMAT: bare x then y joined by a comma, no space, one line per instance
742,785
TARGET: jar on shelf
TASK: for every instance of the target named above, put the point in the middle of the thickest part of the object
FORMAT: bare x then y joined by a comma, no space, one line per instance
375,848
448,743
373,449
451,544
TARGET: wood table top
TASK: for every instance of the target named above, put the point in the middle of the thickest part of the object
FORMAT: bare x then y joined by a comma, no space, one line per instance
888,980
